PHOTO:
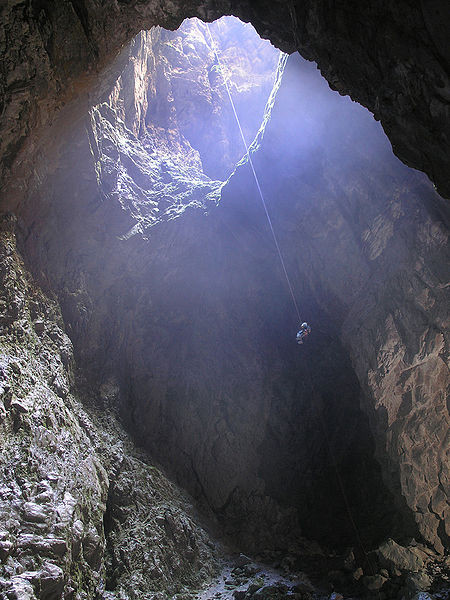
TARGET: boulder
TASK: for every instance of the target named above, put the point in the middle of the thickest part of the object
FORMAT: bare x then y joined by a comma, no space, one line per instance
92,548
51,582
270,592
36,513
393,556
17,588
374,582
418,582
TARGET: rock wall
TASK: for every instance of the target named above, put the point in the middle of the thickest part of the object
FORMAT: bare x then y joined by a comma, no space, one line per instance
374,250
174,88
83,514
392,57
179,308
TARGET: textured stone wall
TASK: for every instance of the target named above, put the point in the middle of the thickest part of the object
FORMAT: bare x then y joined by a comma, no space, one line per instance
83,514
371,239
185,304
390,56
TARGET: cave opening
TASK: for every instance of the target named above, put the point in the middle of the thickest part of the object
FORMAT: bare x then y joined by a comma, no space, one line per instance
146,232
223,395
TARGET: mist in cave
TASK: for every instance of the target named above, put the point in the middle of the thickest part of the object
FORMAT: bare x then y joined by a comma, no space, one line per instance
165,436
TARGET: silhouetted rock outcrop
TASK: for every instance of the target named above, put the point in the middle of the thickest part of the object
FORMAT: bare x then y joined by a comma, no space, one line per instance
391,57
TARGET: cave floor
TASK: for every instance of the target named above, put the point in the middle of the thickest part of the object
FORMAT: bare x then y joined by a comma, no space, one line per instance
243,578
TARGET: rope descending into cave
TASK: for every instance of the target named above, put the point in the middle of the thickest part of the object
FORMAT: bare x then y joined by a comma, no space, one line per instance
253,147
250,161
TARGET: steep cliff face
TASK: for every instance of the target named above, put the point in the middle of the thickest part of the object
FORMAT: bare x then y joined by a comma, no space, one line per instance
174,89
374,250
75,493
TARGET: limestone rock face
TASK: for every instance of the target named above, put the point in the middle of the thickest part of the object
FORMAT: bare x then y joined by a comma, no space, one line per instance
376,252
51,477
130,293
173,89
72,483
392,58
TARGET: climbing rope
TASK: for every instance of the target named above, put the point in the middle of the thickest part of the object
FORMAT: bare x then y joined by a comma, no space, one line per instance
291,290
250,161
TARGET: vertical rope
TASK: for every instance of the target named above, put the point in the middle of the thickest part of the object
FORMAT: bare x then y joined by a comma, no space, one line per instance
291,290
325,434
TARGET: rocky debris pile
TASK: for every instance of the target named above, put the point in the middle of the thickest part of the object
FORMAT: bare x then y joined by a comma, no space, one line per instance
406,571
242,579
391,572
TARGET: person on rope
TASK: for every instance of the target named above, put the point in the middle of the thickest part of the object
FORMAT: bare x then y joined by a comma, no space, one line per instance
305,330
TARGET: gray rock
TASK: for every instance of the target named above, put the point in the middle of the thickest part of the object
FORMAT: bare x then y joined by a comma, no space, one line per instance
5,549
44,497
418,582
21,405
50,582
2,411
36,513
270,592
173,403
303,587
66,508
242,560
39,326
77,534
18,588
44,546
393,556
92,548
374,582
